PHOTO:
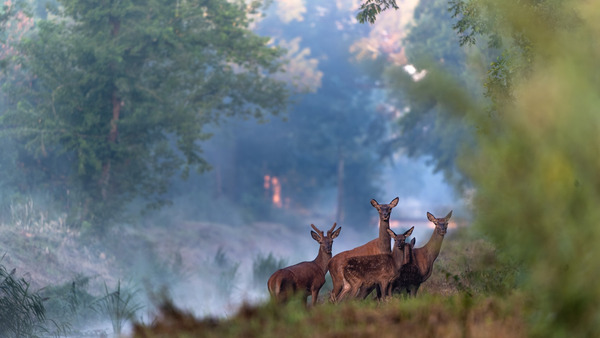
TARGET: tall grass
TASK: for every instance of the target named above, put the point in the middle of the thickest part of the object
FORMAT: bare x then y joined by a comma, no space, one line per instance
120,305
70,304
22,312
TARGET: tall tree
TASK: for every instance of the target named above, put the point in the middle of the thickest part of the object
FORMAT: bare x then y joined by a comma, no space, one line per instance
121,91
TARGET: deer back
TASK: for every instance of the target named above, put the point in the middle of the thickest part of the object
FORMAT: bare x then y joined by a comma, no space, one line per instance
307,274
339,260
370,270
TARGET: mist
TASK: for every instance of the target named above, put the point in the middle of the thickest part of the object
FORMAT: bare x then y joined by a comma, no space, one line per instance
201,216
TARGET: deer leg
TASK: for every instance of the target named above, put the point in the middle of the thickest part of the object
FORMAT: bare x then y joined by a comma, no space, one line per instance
389,290
314,295
365,292
347,287
357,290
384,291
337,286
415,289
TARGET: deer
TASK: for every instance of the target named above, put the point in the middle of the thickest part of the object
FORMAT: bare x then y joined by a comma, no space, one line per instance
420,265
305,277
368,272
379,245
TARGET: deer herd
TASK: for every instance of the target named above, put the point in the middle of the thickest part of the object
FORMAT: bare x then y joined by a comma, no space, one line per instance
358,272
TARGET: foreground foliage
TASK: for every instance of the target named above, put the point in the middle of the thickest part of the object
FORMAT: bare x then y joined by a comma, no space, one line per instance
22,312
430,316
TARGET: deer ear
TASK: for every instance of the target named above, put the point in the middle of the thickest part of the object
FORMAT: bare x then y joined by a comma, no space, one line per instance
449,215
413,241
336,233
392,233
315,236
430,217
409,232
394,202
375,204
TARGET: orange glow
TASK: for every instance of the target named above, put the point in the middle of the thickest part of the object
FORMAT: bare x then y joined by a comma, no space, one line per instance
267,184
276,192
405,224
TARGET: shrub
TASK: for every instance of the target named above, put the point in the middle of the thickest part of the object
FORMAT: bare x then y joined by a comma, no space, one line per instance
263,267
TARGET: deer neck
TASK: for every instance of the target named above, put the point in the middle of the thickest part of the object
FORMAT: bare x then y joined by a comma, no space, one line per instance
322,259
384,237
408,254
399,257
429,252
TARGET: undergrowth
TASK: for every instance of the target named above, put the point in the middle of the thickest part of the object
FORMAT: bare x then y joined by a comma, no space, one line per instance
459,315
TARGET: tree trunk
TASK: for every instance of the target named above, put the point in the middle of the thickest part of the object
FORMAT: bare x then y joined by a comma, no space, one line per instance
113,133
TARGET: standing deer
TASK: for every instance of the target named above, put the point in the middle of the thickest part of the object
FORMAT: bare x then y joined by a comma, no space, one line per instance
368,272
306,277
420,266
380,245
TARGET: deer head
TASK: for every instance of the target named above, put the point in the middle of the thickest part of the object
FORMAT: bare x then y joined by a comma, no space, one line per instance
400,240
384,209
441,224
326,241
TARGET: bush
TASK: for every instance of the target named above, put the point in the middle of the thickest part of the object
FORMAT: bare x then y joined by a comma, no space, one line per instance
263,267
70,304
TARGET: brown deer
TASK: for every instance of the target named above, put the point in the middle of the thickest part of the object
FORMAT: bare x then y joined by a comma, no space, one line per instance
306,277
420,265
380,245
368,272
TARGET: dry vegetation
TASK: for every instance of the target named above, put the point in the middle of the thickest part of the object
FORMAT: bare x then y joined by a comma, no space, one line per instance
427,316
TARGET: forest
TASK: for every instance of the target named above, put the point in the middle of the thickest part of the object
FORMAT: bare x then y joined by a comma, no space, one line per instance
171,168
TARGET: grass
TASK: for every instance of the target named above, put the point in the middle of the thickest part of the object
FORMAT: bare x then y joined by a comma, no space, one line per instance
22,312
459,315
120,305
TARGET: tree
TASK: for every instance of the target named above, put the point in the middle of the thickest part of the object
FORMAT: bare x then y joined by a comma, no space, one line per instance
121,92
427,126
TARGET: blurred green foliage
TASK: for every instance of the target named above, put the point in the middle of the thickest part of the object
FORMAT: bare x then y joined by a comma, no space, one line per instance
535,171
535,167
